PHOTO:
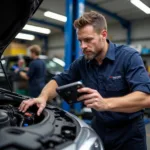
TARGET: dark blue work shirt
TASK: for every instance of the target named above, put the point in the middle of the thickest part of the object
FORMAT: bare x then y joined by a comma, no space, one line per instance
36,74
121,73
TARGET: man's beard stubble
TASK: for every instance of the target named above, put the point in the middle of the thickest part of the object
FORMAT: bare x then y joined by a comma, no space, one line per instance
91,56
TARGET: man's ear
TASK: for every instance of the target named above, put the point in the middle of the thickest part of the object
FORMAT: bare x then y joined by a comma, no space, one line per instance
104,34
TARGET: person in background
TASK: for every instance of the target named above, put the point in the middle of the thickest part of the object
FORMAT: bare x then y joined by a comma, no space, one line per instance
20,65
19,84
117,85
36,72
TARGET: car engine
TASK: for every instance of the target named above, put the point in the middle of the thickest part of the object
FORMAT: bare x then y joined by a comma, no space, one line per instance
53,129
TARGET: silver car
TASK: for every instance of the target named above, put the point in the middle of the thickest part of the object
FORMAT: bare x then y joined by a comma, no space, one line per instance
55,129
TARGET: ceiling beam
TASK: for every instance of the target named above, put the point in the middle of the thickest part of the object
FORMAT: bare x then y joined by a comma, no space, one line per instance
61,27
123,21
39,35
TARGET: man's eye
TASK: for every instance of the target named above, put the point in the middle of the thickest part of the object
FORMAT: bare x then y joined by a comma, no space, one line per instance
87,40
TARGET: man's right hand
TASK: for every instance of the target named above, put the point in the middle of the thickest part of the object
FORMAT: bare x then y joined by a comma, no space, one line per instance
40,102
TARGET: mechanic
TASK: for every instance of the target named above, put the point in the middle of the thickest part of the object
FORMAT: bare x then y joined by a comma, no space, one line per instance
19,84
20,65
36,72
116,81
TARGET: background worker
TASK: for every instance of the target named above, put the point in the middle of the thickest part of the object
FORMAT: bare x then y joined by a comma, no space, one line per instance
117,85
19,66
19,84
36,72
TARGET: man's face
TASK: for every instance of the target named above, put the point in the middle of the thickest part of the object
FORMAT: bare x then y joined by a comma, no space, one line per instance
20,63
91,42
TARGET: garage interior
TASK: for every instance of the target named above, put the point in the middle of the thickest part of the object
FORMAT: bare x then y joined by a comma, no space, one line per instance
127,24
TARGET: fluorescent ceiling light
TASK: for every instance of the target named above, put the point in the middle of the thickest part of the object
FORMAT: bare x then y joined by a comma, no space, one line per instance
55,16
141,6
37,29
25,36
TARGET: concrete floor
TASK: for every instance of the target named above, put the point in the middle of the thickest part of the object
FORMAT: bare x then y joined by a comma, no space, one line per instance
148,135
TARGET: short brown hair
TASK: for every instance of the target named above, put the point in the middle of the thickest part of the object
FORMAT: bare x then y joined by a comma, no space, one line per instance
35,49
93,18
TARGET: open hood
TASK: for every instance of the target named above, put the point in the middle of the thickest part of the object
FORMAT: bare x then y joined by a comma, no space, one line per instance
14,14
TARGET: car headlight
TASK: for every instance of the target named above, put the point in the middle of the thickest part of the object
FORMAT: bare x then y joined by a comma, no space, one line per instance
88,140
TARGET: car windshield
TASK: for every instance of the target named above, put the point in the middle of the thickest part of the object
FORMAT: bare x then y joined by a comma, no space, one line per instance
54,65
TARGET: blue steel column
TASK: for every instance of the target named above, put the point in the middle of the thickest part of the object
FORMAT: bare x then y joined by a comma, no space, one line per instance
68,33
68,41
74,9
78,12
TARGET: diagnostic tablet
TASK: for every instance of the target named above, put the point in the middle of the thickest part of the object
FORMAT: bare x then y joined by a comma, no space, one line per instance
69,92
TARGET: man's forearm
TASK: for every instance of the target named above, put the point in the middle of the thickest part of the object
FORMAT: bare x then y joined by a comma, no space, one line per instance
126,110
24,75
49,91
129,103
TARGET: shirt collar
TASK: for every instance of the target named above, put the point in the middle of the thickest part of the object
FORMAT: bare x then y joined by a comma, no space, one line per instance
111,51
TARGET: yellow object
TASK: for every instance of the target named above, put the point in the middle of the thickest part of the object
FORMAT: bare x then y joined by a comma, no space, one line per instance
15,49
148,68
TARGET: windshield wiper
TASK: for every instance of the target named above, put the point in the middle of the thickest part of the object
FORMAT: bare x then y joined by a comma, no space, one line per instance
10,87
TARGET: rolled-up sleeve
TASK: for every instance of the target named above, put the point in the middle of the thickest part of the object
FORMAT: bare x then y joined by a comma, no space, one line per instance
70,75
136,74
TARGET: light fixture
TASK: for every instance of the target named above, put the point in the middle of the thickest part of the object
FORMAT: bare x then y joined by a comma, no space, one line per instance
141,6
55,16
36,29
24,36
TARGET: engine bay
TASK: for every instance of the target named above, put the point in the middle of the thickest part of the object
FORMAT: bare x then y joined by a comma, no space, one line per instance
10,116
53,129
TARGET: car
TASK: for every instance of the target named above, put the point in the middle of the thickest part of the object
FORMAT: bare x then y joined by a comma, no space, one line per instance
55,128
7,64
53,66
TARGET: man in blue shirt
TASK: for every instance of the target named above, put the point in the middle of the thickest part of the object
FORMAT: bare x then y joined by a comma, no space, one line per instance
116,83
36,72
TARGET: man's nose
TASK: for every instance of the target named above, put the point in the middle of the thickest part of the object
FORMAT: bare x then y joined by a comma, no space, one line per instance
83,45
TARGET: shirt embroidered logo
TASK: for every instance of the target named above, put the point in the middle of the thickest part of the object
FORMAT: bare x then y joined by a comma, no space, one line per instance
115,77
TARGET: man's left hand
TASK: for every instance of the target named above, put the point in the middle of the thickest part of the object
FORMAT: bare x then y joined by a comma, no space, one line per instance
93,99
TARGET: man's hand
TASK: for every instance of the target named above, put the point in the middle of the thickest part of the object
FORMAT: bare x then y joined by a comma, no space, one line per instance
23,75
41,103
93,99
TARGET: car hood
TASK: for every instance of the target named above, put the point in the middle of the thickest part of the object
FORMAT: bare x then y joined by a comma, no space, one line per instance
14,15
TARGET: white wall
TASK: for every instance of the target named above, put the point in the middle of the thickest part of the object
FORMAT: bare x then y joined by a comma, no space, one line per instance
117,33
141,28
140,35
141,31
56,45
